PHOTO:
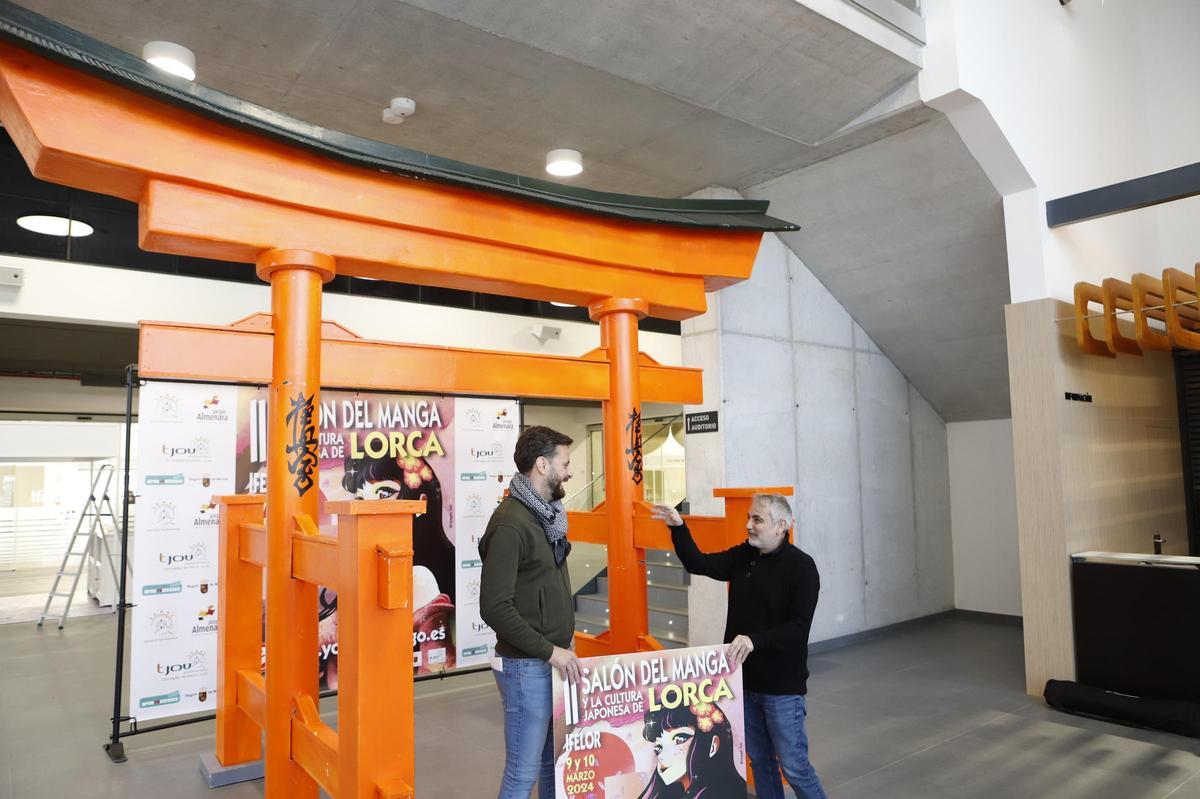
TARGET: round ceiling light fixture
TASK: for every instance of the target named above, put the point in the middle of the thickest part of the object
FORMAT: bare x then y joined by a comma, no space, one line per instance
55,226
171,57
564,163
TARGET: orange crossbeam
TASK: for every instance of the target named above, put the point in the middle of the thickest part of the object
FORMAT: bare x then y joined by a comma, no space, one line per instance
591,527
201,352
315,559
252,544
212,190
252,695
315,745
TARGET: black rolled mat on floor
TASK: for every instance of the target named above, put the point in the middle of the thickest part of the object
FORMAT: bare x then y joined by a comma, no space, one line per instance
1181,718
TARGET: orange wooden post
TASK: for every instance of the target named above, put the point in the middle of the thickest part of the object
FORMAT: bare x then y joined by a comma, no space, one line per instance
375,626
622,414
239,630
292,406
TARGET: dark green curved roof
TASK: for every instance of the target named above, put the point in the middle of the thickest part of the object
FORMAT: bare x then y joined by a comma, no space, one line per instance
47,37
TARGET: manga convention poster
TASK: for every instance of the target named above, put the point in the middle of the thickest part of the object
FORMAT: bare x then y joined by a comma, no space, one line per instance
455,453
653,725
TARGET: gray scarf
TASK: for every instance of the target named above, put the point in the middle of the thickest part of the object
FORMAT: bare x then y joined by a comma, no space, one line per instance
551,514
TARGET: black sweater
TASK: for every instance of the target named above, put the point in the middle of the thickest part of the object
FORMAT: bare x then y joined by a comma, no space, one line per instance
772,599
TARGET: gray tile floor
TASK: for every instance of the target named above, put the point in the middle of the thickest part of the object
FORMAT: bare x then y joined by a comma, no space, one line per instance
934,710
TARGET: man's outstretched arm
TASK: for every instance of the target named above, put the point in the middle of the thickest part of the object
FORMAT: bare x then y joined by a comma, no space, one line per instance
717,565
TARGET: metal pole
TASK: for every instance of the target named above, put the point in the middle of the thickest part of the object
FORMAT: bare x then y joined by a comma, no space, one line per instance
114,748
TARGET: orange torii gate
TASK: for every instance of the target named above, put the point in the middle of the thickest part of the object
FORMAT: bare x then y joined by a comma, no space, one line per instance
219,178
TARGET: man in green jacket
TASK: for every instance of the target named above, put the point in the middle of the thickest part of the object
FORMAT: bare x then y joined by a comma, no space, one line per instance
526,599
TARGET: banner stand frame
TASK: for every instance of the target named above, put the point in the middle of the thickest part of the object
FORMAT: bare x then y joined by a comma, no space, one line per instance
114,747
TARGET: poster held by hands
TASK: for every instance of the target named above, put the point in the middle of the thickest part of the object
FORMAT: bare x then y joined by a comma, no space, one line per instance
651,725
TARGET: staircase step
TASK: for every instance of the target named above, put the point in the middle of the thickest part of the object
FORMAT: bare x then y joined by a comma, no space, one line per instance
666,619
662,595
667,573
661,557
669,638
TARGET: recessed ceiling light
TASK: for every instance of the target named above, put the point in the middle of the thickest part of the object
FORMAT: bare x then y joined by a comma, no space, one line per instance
55,226
564,163
562,304
171,57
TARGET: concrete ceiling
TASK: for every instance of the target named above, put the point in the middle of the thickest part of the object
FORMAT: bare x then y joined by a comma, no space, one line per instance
662,98
665,98
908,234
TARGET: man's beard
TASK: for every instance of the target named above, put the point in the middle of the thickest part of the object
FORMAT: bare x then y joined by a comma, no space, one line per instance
557,491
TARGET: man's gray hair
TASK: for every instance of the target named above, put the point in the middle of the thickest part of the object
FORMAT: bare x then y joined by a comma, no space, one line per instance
777,505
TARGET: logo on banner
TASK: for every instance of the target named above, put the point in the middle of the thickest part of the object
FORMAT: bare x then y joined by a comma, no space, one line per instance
208,516
162,625
474,505
200,696
472,564
480,627
157,589
476,650
166,407
207,480
503,420
474,418
197,450
160,699
193,666
164,479
493,452
469,477
164,514
202,587
211,412
194,556
473,589
208,621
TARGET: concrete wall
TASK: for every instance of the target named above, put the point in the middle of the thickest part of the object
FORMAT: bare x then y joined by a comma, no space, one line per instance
806,399
983,514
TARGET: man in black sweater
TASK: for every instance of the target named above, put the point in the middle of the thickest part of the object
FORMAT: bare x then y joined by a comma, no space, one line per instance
773,589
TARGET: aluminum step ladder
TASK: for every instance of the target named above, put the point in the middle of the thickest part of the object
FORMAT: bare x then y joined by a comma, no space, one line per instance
97,508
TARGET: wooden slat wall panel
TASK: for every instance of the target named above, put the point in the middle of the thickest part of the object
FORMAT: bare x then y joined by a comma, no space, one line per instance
1104,475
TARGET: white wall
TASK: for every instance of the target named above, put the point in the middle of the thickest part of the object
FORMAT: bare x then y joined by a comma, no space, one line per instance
59,291
983,513
46,441
1084,95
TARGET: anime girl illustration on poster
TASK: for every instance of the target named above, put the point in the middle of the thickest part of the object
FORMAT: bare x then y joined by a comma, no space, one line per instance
658,725
379,447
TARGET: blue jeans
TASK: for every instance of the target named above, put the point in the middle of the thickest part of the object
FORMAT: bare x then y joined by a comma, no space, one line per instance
525,691
775,738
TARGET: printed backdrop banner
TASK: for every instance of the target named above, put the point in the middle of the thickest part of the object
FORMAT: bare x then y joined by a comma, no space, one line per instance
455,453
651,725
186,439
